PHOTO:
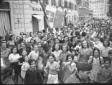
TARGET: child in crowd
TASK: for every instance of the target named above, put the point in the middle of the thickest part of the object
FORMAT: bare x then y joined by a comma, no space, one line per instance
33,76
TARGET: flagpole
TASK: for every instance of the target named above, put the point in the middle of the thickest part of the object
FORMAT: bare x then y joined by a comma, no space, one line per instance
45,16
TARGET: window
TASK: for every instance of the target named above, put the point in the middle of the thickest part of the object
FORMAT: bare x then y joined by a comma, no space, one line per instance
65,4
37,1
59,3
45,2
53,2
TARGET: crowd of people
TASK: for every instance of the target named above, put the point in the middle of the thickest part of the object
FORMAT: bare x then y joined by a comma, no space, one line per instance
72,54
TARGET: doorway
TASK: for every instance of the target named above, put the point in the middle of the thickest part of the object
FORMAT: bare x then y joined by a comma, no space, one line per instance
35,24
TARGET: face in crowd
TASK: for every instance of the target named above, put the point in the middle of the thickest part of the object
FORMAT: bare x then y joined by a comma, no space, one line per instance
14,50
51,58
84,44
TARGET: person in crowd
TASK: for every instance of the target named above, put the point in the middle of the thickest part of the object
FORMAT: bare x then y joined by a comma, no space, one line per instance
35,53
81,41
70,70
64,53
24,64
96,61
52,68
14,59
105,73
83,66
32,75
105,50
11,41
57,51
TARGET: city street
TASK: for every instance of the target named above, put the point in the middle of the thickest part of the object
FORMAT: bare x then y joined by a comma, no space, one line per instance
56,41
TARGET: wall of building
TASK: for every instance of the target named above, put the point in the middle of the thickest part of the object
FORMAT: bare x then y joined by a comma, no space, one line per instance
21,16
99,7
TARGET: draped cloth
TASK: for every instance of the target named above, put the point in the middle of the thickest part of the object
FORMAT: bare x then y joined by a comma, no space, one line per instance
4,23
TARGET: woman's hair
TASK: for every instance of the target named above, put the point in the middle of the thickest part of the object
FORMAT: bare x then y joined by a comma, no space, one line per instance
86,42
97,50
13,48
106,41
52,56
30,61
55,45
70,56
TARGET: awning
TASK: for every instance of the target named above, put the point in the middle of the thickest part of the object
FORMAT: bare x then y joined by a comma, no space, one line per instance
37,16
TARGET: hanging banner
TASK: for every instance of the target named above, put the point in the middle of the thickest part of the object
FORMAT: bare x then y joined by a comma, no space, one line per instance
50,11
59,19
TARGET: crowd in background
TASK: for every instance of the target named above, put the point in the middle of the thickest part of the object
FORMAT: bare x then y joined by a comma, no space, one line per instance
72,54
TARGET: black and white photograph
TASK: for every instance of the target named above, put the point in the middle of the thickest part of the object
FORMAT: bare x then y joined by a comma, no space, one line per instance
56,41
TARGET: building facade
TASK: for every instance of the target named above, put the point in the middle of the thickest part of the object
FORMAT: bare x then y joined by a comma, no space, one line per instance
25,16
68,7
99,7
28,16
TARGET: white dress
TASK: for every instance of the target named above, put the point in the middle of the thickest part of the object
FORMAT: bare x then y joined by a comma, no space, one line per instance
95,68
52,78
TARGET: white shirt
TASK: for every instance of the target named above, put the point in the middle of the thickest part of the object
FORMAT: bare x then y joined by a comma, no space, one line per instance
33,55
25,66
57,54
14,57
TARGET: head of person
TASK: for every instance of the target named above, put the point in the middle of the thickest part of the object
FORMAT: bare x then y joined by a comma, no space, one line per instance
23,45
85,44
26,59
32,63
106,43
24,53
35,47
14,50
107,62
69,58
51,58
66,38
96,52
64,48
57,46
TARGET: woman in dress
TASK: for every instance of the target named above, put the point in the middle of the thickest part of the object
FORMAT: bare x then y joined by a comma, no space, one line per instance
70,71
83,66
96,61
52,68
14,59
